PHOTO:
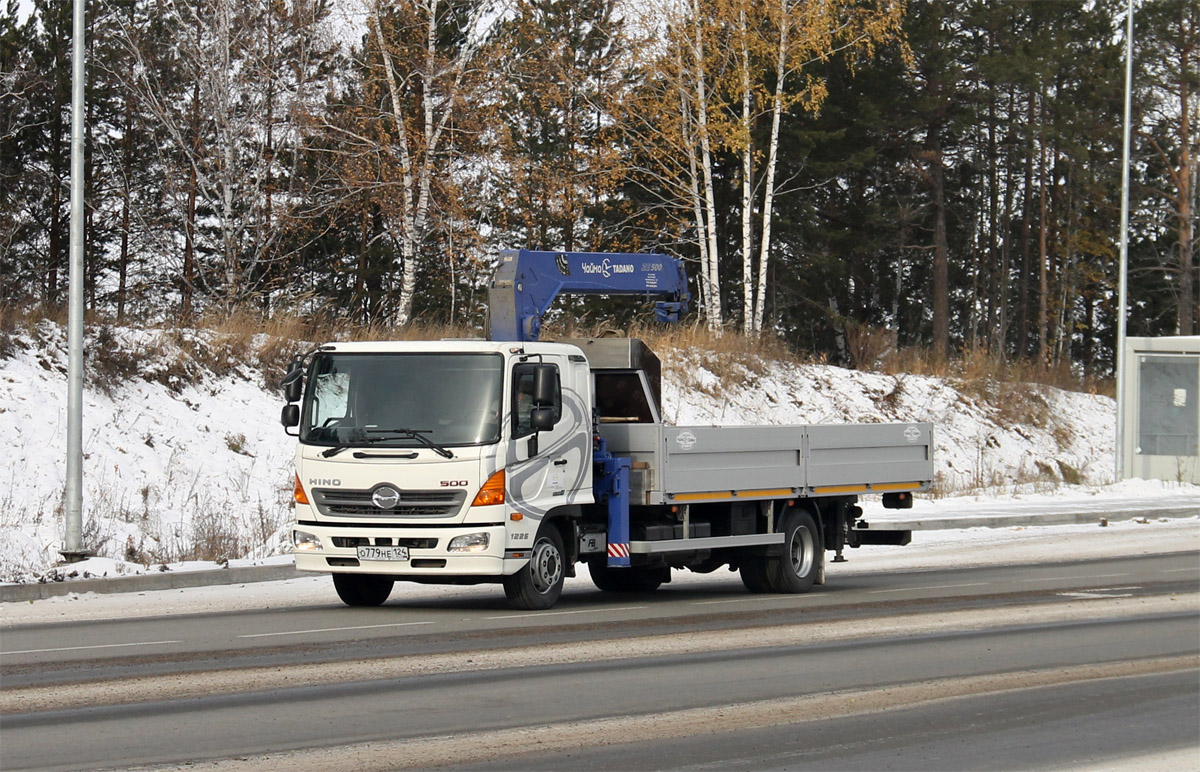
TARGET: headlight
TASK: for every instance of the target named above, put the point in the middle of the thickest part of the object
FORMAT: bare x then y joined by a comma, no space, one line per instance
472,542
306,542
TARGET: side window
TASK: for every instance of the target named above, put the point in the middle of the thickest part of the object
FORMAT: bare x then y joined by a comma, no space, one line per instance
328,403
522,401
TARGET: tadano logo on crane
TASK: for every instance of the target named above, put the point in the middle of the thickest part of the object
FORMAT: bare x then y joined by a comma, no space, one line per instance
607,268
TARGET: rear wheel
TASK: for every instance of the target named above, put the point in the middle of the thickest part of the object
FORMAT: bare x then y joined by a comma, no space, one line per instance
754,574
648,579
797,569
539,583
626,579
363,589
606,579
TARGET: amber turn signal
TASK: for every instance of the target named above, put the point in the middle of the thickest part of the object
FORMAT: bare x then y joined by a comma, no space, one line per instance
298,493
492,491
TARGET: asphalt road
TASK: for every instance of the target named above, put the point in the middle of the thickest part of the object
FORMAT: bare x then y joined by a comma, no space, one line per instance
1047,666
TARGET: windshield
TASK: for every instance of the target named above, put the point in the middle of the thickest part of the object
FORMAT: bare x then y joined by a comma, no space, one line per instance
403,400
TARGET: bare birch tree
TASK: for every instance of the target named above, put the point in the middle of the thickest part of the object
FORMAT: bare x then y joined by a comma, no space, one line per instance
733,63
226,115
669,123
424,82
798,33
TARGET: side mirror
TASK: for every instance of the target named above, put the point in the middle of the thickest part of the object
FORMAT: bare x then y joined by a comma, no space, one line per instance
293,390
545,384
293,382
290,416
541,418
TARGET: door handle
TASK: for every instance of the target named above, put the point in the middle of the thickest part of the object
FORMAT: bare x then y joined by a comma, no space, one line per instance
561,462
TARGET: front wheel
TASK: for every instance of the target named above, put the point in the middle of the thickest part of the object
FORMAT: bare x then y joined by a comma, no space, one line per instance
797,569
539,583
362,589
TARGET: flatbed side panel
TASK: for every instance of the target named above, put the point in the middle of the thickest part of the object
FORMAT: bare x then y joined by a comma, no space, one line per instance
674,465
869,454
753,460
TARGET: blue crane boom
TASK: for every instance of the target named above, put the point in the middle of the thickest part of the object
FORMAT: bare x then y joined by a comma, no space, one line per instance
528,281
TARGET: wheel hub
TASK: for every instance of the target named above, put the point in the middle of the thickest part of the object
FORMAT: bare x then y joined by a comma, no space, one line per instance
545,565
800,551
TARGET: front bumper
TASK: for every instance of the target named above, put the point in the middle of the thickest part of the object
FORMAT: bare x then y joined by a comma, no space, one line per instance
431,560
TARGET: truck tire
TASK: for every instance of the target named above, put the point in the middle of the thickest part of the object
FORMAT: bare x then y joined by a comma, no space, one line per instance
797,569
755,575
606,579
363,589
648,579
626,579
539,583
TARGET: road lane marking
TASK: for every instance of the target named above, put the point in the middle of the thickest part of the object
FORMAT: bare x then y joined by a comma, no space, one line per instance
96,646
933,587
1075,578
1177,570
129,689
563,613
486,748
743,600
333,629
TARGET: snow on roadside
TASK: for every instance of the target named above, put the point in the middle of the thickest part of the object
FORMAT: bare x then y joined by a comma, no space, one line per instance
168,463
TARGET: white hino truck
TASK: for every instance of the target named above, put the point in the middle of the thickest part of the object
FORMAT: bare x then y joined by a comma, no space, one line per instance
512,460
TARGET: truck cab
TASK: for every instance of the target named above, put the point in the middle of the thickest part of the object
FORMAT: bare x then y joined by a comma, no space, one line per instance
438,460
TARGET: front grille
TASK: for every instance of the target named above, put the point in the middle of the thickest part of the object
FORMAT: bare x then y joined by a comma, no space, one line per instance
384,541
336,502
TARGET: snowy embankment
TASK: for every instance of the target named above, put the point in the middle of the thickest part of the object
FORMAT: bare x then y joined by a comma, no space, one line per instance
185,461
180,463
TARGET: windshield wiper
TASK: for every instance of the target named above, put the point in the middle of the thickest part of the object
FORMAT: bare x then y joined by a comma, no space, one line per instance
412,434
382,435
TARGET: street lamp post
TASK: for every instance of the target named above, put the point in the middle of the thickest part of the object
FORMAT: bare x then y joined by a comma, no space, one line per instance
1124,268
73,549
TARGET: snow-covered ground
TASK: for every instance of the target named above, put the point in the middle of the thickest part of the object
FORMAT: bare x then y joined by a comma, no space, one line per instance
183,466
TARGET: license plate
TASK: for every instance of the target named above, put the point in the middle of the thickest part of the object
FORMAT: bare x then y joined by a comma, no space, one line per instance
383,553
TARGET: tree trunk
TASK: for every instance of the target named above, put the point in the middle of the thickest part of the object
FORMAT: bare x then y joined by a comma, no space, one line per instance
715,320
772,164
1022,347
748,284
1043,228
1186,316
941,253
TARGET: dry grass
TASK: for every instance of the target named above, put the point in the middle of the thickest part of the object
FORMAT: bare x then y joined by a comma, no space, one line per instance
109,365
980,366
244,335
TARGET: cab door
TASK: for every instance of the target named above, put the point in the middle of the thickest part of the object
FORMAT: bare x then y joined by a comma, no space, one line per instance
549,467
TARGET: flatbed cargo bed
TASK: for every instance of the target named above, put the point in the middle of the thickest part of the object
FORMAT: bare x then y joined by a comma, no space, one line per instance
697,464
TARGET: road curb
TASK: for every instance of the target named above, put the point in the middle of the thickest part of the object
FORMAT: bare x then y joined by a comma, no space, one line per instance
166,580
891,521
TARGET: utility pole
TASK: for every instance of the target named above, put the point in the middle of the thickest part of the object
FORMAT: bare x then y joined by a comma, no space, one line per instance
1119,473
73,551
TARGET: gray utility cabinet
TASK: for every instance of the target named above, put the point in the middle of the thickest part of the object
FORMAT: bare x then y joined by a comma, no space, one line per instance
1161,410
682,464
